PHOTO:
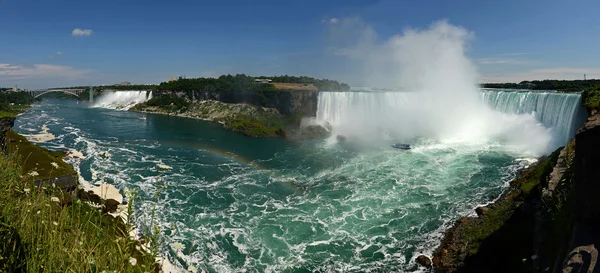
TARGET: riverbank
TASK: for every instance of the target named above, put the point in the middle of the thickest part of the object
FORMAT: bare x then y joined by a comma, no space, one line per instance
49,223
248,119
251,120
548,216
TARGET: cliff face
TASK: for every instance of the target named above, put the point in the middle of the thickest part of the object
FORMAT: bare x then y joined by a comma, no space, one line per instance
5,125
301,102
548,222
585,239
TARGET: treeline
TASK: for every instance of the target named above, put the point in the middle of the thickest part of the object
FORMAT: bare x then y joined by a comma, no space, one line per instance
225,83
16,98
559,85
321,84
145,87
13,97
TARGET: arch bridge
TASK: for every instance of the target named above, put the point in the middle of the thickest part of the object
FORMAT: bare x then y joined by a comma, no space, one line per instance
74,92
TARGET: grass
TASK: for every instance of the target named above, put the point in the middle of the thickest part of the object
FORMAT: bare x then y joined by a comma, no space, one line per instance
8,114
35,158
46,230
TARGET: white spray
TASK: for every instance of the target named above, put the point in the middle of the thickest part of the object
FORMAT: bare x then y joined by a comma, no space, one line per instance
440,98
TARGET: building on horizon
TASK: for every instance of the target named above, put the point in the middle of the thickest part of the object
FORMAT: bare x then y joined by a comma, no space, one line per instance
126,83
263,80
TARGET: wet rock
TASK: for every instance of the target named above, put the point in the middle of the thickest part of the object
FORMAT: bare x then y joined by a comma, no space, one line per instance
340,138
423,261
314,132
88,196
481,211
111,205
462,220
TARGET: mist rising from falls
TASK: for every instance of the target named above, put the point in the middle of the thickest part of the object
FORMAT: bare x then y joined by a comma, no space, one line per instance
443,102
122,100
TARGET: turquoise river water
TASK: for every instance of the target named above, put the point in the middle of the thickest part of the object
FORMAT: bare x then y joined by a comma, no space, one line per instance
240,204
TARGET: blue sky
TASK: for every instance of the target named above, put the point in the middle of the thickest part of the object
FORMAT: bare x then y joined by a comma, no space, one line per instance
74,42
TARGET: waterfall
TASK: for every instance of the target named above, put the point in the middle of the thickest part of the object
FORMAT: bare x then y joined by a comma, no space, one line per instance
534,121
122,100
561,111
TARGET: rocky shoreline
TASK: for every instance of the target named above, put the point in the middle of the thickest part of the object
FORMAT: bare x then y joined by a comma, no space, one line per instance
67,191
251,120
546,222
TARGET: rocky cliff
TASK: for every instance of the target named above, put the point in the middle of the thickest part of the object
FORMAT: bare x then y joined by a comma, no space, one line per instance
548,222
5,125
301,102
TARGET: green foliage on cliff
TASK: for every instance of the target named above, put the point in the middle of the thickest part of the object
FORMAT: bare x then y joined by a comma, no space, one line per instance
169,102
478,244
35,158
46,230
19,99
16,98
255,127
591,100
225,83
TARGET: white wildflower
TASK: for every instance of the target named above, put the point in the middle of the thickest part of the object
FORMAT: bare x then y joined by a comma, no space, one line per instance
80,243
26,190
91,260
192,269
38,212
177,246
55,223
33,173
53,185
47,205
133,261
55,199
28,203
54,164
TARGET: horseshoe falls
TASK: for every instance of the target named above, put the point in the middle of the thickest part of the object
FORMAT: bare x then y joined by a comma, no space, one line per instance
539,122
561,111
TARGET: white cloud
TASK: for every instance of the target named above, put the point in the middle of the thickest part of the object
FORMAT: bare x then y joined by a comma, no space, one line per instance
52,56
37,71
493,61
560,73
332,20
81,32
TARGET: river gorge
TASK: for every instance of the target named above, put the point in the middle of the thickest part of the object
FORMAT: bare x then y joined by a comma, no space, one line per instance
225,202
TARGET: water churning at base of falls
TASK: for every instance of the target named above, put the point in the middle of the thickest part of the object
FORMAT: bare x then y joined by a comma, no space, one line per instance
536,122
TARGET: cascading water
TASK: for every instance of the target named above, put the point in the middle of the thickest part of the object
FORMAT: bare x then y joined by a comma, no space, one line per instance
560,111
122,100
405,115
